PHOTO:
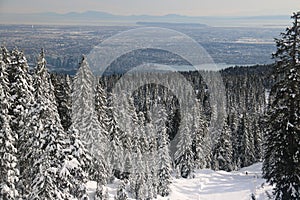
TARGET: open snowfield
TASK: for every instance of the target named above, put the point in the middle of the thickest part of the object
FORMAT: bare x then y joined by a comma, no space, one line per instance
213,185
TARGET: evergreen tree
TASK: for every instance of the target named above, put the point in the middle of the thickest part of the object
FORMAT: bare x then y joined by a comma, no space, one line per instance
101,193
164,159
138,176
184,156
200,144
128,119
8,151
115,154
101,107
5,55
46,141
223,150
21,92
75,166
258,139
281,165
144,147
85,120
121,194
21,100
233,121
151,159
245,142
63,91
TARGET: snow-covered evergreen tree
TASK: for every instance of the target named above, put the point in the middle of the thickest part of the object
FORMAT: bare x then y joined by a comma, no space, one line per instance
20,90
138,176
184,155
8,151
63,91
222,155
281,165
257,139
115,154
201,145
128,119
46,141
121,193
85,120
163,156
99,194
101,107
76,165
244,152
5,55
151,159
21,100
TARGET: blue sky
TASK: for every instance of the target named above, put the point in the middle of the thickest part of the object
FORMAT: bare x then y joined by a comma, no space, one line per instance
156,7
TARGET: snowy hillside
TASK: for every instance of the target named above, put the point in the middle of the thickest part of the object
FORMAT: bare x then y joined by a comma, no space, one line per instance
212,185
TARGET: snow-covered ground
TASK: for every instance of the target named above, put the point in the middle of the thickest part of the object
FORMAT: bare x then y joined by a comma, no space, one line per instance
213,185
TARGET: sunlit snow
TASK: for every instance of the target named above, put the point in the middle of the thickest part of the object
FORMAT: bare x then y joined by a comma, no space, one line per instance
211,185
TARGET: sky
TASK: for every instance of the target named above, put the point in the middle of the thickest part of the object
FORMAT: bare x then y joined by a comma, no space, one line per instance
156,7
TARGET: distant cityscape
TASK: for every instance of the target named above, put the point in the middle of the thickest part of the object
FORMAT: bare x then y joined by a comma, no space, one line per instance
64,45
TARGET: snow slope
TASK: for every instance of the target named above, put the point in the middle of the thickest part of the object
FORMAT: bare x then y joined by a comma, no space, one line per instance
214,185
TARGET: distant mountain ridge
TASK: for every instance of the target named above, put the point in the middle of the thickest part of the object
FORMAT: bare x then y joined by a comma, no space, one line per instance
169,24
94,17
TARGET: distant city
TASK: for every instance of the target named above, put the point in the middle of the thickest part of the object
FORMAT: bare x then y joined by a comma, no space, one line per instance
64,44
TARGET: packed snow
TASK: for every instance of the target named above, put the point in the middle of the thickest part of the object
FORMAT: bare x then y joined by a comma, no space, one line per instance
211,185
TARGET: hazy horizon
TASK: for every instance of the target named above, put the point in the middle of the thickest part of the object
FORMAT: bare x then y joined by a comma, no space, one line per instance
154,15
155,7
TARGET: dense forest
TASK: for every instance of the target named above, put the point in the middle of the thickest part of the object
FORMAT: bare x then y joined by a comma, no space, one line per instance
46,135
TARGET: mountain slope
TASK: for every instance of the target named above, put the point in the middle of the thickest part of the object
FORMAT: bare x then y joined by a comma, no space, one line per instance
212,185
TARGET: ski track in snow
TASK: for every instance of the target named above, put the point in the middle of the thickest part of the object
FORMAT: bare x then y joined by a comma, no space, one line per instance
212,185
